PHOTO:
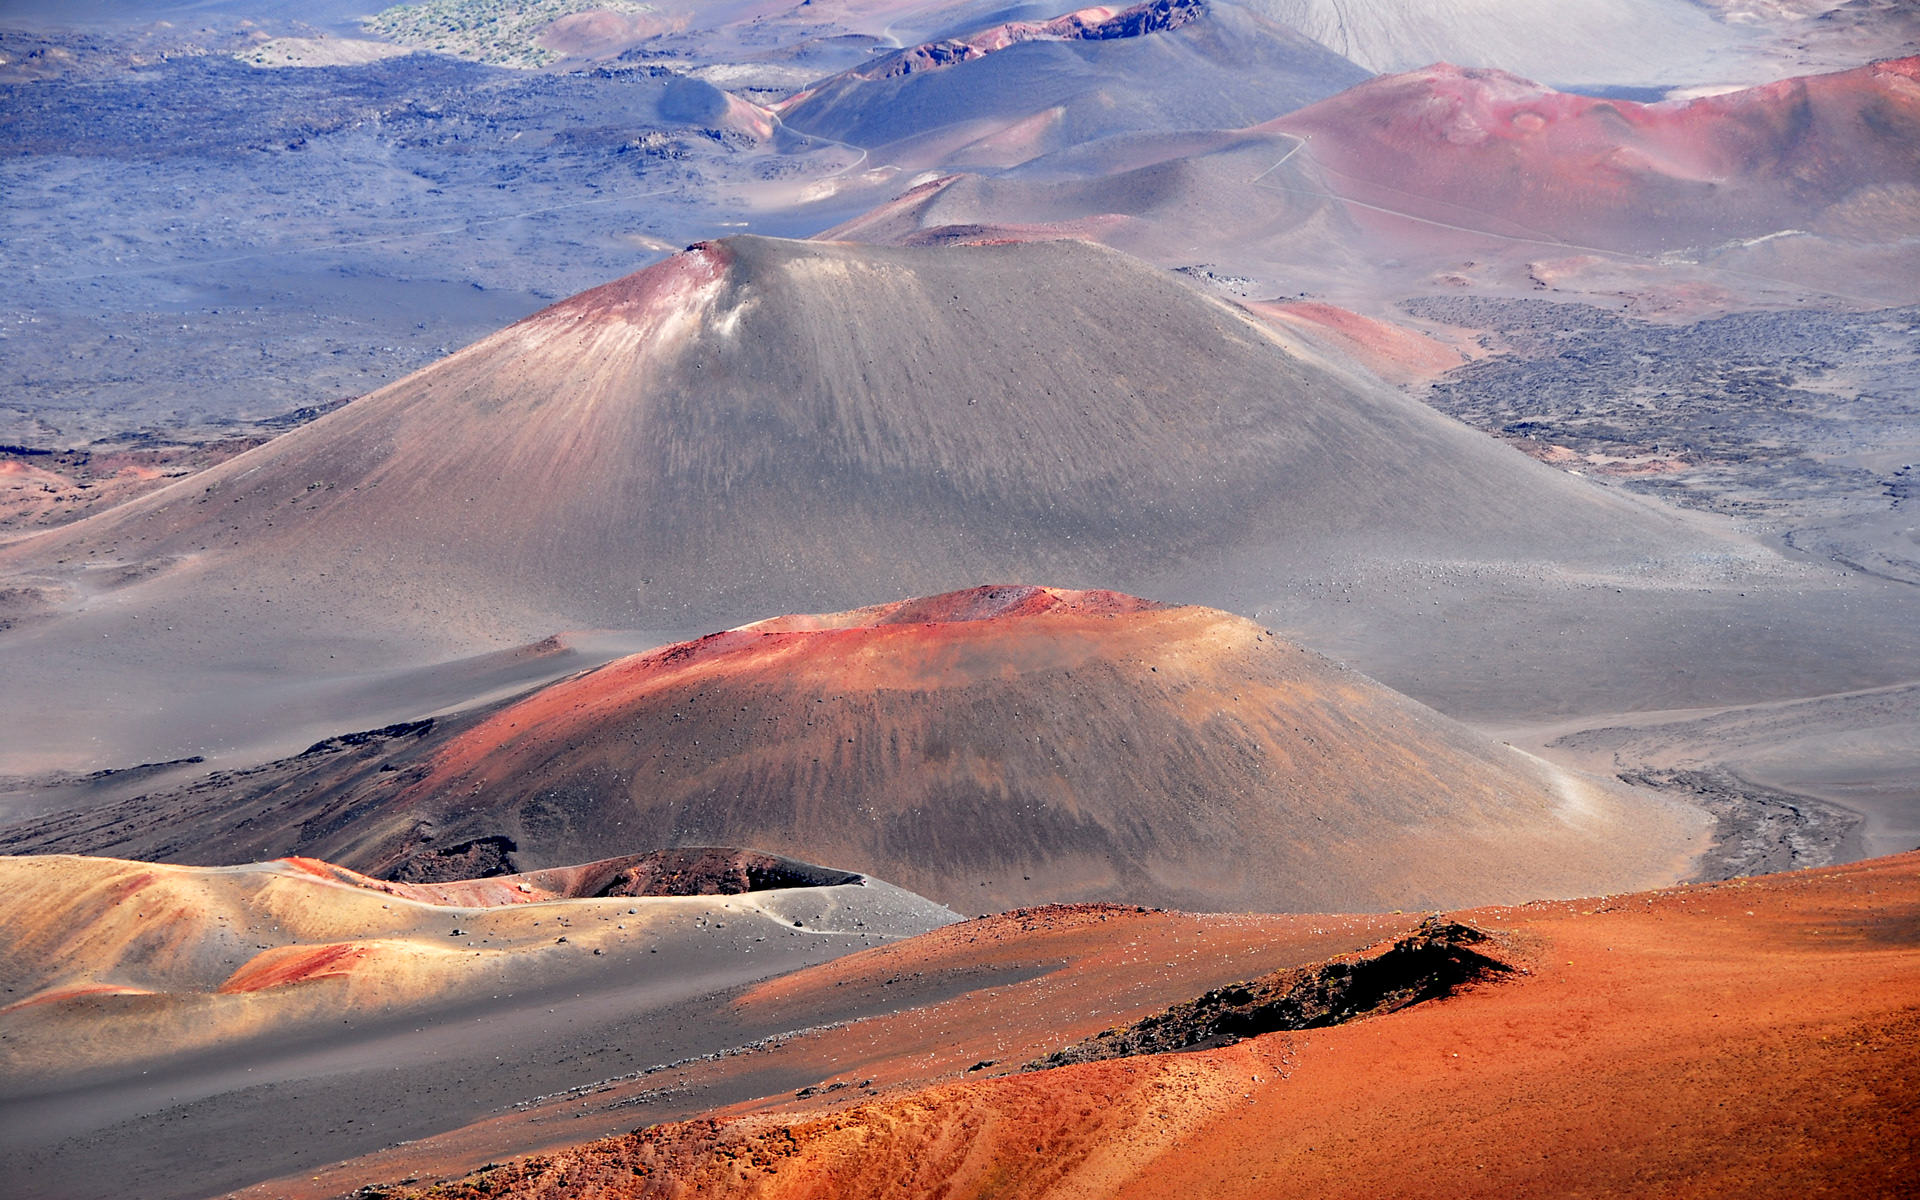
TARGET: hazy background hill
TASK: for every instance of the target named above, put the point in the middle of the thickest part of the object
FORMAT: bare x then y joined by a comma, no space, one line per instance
993,97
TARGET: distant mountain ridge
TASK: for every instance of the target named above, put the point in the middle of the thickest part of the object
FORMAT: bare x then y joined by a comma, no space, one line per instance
1013,91
1486,148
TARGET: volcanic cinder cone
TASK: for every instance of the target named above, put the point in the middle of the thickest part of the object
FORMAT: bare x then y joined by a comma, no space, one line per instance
756,426
1012,745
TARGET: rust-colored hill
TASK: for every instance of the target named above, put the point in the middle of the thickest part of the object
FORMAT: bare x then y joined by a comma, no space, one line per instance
1489,151
1003,746
1753,1038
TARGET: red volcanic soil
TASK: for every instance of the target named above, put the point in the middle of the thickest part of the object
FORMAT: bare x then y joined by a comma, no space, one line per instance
1489,151
1015,745
61,995
295,964
972,604
1392,352
974,1000
42,490
1753,1038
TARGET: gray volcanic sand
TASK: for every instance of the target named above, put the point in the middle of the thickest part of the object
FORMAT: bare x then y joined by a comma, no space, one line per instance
234,714
1857,751
1625,46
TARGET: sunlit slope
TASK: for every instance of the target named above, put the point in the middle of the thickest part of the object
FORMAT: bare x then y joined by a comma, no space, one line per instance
111,964
1636,43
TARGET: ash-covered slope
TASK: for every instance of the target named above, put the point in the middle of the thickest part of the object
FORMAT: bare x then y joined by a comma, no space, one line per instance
1012,91
197,957
1489,151
761,424
1012,745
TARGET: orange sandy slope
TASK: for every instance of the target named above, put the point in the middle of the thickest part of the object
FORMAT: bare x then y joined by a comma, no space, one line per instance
1752,1038
999,991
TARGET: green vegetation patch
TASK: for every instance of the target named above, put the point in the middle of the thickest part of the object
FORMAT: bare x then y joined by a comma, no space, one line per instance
504,33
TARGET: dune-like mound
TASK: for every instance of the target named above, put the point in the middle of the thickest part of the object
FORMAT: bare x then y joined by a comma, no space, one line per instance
759,425
1490,151
1016,90
110,963
1012,745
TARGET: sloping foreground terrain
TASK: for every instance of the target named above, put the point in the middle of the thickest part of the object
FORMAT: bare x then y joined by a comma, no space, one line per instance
987,748
1754,1038
208,1028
